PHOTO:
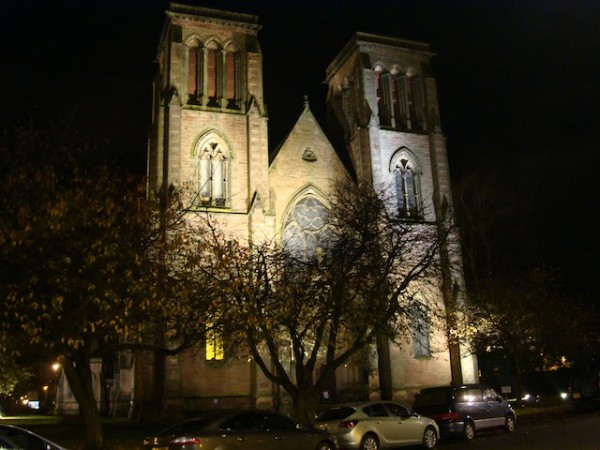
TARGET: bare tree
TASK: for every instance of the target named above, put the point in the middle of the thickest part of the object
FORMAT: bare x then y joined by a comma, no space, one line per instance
297,312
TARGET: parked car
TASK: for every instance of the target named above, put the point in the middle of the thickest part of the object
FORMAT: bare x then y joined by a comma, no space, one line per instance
240,429
12,437
466,409
377,425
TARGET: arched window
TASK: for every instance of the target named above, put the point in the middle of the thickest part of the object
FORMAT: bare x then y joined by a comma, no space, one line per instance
407,185
194,73
409,102
232,75
212,74
215,349
400,99
382,88
306,231
211,175
420,336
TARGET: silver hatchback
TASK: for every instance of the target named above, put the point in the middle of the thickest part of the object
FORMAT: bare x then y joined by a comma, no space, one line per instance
377,425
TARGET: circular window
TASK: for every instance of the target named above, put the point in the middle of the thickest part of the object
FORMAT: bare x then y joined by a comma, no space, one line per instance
305,229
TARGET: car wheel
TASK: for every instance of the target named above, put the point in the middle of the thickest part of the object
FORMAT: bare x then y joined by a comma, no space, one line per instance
469,430
325,446
430,438
509,425
369,442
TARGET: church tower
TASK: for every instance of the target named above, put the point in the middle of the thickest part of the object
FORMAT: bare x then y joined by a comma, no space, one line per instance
382,98
383,107
209,131
209,139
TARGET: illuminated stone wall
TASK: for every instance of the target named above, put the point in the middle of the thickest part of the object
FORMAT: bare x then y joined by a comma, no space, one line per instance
306,163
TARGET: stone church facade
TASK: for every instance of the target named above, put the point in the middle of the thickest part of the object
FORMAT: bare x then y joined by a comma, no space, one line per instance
209,137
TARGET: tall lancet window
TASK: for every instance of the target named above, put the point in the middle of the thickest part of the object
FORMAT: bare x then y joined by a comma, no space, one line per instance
194,73
407,184
232,75
382,89
213,73
409,101
211,175
420,336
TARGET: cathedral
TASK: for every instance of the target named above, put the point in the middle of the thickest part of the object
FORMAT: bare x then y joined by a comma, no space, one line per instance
209,138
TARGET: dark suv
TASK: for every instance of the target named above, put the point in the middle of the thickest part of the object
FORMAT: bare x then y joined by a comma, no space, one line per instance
465,409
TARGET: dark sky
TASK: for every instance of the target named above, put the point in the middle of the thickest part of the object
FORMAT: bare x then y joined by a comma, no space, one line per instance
518,82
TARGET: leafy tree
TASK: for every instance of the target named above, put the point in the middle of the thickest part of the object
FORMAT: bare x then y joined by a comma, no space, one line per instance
523,315
13,376
75,241
369,277
505,323
525,323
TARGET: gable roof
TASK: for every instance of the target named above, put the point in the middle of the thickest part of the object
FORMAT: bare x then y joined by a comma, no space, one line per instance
308,120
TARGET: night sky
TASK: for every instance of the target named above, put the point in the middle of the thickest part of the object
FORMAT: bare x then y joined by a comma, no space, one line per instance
518,84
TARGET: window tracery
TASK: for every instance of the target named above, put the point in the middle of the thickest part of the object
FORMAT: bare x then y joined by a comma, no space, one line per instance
306,231
212,175
407,185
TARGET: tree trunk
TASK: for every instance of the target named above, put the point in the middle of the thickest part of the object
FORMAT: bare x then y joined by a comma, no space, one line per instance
384,366
79,375
93,424
306,401
518,379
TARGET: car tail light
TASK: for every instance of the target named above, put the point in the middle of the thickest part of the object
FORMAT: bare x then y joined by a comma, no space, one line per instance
184,440
349,424
445,417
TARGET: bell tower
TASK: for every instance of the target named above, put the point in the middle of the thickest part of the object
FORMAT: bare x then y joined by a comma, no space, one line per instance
209,124
382,103
208,139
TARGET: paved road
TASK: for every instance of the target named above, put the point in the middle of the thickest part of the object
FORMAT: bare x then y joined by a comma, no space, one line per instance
580,432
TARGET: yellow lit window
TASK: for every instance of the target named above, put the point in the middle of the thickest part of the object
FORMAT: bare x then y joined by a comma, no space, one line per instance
214,345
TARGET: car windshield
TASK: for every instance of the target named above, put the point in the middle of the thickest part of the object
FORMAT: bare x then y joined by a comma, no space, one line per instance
335,413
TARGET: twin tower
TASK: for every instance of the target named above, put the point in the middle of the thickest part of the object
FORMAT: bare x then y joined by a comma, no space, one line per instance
209,137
